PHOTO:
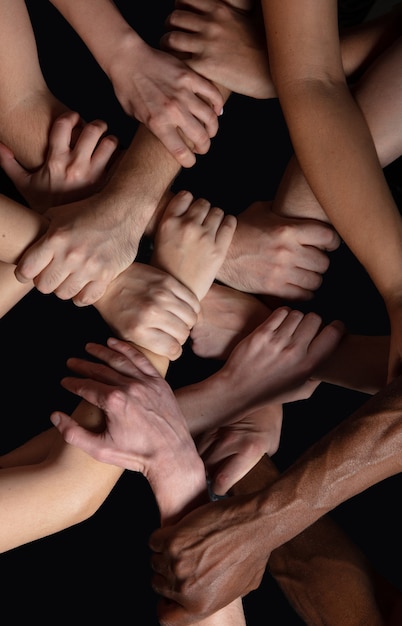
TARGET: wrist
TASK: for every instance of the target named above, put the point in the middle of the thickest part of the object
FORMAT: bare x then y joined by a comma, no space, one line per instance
127,44
179,485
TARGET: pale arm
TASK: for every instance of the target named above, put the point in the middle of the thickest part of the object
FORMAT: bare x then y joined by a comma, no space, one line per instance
178,105
46,471
27,107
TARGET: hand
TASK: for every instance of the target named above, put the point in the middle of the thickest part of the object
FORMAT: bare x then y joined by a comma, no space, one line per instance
212,556
226,317
150,308
75,167
192,240
277,256
230,452
176,104
145,429
283,353
223,42
84,248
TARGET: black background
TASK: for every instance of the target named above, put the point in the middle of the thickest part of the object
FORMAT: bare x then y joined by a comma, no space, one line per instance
99,570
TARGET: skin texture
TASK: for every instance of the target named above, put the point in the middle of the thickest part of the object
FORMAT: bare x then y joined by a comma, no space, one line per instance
251,527
86,244
142,304
331,126
174,102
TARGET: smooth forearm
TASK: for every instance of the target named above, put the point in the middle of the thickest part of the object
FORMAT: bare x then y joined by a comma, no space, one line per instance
11,290
27,107
101,26
363,203
359,362
20,227
73,482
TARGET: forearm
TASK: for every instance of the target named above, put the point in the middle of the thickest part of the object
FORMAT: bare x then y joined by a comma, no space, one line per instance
378,96
75,484
34,450
27,107
363,203
20,226
11,290
362,44
142,179
362,451
101,27
359,363
317,565
206,404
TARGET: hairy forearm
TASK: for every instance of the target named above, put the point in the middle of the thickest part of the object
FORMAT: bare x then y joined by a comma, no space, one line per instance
142,179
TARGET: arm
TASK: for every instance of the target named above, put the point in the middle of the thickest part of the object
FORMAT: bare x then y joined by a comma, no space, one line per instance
234,53
31,477
156,88
27,107
327,123
322,568
142,304
362,451
203,233
228,316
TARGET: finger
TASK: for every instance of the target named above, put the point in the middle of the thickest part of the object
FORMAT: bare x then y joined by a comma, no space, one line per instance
328,339
179,204
73,433
92,391
192,306
103,153
79,288
176,145
134,355
304,279
89,139
36,260
121,356
308,327
166,343
290,323
199,123
102,372
233,469
319,235
61,133
274,320
226,231
199,210
85,295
